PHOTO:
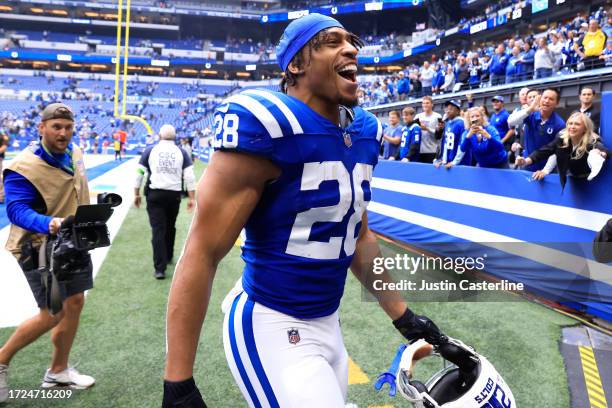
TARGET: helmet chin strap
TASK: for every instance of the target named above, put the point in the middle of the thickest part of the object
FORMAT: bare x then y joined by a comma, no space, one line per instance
346,116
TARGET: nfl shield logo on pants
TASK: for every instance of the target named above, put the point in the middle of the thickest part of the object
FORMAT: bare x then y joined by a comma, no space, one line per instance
294,336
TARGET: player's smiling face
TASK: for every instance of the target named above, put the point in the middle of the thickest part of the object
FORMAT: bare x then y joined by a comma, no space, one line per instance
331,73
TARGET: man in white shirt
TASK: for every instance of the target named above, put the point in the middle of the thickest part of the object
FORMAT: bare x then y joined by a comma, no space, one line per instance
429,122
168,166
426,77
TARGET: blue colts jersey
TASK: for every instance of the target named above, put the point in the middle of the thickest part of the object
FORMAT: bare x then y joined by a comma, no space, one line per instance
451,140
410,135
300,238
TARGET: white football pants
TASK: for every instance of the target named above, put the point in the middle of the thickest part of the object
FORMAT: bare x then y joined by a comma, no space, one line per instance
282,361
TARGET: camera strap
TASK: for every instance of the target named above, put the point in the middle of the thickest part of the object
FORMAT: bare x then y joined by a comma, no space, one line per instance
49,280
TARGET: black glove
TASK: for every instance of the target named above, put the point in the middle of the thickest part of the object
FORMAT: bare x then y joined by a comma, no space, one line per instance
414,327
182,394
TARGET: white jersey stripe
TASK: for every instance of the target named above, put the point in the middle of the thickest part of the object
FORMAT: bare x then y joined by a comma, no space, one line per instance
295,124
261,113
244,354
231,360
379,131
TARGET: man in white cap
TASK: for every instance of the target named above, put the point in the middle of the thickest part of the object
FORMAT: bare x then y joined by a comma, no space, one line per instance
168,166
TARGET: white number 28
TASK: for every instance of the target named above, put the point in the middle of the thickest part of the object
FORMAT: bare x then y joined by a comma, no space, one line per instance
228,124
314,174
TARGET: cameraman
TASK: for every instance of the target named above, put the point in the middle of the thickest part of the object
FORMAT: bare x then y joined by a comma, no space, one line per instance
45,183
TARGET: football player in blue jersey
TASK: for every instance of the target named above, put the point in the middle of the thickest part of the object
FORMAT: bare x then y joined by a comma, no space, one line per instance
411,136
294,170
451,137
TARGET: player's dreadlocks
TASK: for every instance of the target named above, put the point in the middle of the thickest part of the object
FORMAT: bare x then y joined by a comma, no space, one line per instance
298,60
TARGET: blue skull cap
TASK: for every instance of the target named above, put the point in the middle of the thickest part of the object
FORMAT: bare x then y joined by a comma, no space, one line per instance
298,33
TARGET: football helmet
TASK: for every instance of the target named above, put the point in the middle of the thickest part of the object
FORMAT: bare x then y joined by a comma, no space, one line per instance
471,381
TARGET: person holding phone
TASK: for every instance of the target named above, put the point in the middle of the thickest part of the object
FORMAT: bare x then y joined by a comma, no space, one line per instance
483,141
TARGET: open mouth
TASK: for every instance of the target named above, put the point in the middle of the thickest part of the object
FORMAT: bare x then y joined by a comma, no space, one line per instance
348,72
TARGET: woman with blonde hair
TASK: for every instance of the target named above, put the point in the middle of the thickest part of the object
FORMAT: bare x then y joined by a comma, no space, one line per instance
577,150
483,141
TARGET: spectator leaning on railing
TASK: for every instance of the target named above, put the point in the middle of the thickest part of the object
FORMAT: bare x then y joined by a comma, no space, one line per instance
577,151
451,137
542,123
428,120
518,130
591,46
482,141
392,136
411,136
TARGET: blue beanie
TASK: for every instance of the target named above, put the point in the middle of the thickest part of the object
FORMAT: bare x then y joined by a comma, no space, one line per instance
298,33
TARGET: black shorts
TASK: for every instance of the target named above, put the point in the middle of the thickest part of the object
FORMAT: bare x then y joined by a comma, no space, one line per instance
80,280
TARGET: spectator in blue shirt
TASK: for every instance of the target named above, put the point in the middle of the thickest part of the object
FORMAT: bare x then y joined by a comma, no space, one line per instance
498,66
512,66
482,140
438,80
392,136
570,56
403,86
526,62
607,53
542,124
499,120
411,137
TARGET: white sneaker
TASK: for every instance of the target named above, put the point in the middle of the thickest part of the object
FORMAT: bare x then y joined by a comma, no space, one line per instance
4,390
70,377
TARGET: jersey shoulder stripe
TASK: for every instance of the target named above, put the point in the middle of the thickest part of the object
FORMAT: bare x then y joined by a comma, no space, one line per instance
280,104
259,111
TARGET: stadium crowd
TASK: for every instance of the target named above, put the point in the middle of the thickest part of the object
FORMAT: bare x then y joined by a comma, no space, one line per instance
533,137
583,43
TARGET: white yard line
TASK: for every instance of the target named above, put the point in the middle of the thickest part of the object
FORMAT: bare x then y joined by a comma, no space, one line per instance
16,300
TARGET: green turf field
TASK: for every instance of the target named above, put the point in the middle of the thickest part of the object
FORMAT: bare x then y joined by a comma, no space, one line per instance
121,337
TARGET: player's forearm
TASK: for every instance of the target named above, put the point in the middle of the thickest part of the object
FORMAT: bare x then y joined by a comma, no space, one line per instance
187,305
362,267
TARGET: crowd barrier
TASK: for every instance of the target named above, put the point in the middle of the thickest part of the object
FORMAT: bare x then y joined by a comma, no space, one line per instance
533,232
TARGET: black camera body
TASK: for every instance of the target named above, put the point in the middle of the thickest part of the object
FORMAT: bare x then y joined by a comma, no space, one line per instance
88,229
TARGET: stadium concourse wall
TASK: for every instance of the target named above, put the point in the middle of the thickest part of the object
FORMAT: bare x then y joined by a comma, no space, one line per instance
531,232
